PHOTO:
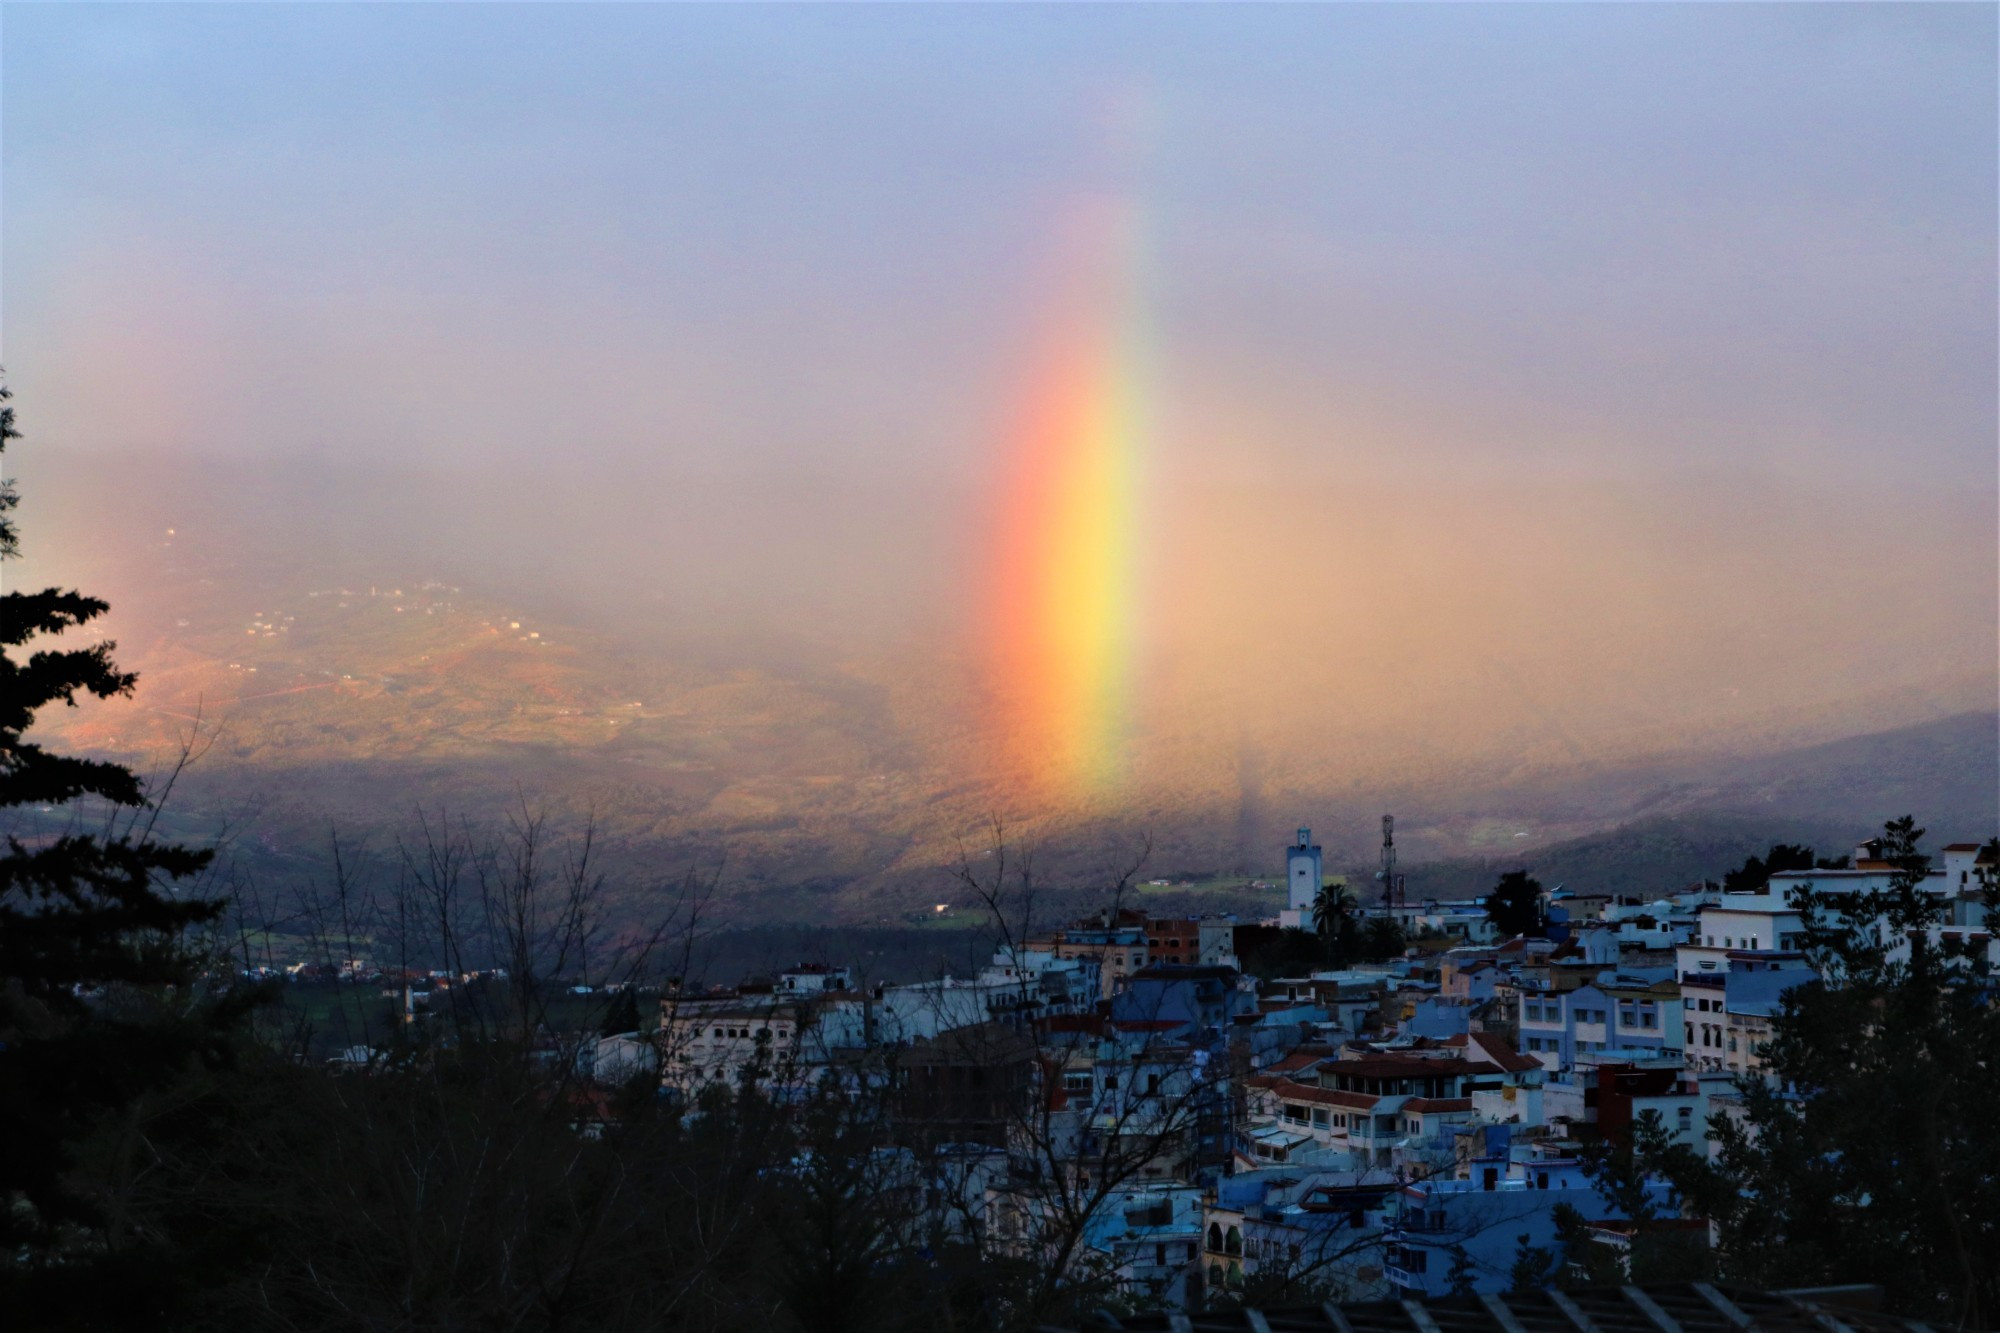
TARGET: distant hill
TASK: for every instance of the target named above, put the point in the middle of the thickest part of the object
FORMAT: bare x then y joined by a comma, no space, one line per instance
842,791
1946,772
1651,856
1694,817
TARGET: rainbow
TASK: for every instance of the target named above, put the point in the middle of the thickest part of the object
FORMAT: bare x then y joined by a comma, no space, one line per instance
1064,607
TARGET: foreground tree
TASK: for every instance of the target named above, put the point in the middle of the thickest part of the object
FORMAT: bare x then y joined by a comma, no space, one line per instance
100,1007
1872,1154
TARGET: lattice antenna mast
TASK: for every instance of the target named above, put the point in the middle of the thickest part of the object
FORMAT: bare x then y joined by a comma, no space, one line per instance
1392,883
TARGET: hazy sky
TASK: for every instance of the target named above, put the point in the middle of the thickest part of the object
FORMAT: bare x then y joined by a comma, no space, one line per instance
1645,350
1595,236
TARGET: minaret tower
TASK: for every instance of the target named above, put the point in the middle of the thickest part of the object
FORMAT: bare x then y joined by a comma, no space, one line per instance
1302,874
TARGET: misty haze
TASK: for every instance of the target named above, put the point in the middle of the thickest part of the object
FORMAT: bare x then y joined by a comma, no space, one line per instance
725,394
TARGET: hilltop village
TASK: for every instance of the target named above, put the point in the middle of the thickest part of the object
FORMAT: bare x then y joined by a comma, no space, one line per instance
1129,1090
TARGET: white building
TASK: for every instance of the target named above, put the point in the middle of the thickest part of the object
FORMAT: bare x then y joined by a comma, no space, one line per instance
727,1039
1304,874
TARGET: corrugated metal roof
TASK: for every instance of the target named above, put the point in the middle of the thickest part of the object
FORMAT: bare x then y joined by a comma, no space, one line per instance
1664,1307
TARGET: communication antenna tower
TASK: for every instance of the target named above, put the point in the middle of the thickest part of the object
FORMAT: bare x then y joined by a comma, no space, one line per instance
1392,883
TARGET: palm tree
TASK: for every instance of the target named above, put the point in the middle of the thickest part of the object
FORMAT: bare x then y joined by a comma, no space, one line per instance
1334,920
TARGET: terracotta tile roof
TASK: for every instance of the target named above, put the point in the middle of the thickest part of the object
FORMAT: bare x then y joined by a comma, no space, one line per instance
1298,1060
1304,1092
1495,1048
1405,1066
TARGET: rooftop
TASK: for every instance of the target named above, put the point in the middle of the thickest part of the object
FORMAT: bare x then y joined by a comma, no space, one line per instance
1656,1307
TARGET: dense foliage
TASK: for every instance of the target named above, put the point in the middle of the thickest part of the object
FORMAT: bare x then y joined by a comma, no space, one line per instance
101,1009
1756,871
1515,905
1873,1155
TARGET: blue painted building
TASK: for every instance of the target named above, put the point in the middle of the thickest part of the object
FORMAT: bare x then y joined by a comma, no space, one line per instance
1636,1014
1200,1002
1508,1197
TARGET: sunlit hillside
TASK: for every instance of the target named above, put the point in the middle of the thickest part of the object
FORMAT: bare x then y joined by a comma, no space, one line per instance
839,791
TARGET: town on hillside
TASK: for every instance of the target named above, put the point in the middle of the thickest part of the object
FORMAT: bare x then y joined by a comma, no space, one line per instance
1187,1117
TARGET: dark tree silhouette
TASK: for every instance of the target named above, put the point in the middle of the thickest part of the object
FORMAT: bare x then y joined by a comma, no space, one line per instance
1870,1153
1382,939
96,992
1756,872
1515,905
1337,924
